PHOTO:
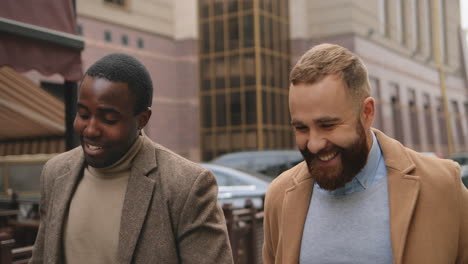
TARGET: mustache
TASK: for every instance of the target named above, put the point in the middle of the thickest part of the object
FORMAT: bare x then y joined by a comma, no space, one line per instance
308,155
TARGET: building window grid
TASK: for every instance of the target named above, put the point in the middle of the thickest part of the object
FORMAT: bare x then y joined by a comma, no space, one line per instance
270,87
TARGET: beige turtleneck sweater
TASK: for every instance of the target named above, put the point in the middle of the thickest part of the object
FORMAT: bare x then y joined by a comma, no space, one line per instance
93,223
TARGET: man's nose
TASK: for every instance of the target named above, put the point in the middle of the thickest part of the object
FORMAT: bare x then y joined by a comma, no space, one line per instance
92,128
316,143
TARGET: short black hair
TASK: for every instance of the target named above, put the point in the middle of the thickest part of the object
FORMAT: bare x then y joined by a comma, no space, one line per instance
120,67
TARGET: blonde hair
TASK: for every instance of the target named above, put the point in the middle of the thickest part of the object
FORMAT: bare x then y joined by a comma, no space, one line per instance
326,59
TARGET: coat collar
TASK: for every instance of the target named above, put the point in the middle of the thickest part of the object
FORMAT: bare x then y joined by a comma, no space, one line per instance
403,194
137,200
403,191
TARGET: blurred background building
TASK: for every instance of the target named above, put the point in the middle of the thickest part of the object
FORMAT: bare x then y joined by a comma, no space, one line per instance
220,67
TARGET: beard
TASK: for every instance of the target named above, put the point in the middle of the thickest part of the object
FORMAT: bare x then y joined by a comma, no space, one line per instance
353,159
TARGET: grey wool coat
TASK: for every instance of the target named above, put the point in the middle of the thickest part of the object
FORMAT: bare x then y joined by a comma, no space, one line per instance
170,212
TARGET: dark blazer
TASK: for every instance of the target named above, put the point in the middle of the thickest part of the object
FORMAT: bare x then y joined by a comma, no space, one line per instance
170,212
428,209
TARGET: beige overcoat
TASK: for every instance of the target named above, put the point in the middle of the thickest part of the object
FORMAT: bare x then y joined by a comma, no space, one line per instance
170,212
428,209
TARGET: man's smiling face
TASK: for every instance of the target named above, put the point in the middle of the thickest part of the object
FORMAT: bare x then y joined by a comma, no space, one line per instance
105,120
330,131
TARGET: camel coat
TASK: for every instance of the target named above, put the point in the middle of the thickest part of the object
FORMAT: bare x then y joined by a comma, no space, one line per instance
428,209
170,212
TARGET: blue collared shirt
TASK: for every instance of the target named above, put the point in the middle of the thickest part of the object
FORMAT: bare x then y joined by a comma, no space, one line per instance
373,172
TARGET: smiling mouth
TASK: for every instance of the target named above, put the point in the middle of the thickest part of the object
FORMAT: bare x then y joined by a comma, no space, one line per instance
327,157
91,147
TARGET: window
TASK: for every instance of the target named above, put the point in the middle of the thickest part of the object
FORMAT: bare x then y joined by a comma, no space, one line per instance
428,119
442,32
124,40
414,118
107,36
459,135
396,111
383,17
429,28
140,43
375,92
79,29
442,123
116,2
401,22
416,33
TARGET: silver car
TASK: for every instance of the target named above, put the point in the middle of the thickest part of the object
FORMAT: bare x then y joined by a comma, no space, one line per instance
236,187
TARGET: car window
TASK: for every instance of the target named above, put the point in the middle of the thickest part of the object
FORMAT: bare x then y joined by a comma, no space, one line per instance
222,179
225,179
465,181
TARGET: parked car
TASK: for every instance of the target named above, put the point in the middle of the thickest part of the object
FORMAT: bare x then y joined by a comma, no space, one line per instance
461,158
236,186
267,162
464,175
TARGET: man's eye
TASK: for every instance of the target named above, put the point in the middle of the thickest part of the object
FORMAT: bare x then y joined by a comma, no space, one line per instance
110,122
327,125
83,116
300,128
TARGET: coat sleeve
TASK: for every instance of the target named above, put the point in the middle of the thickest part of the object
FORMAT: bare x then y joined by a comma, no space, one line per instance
38,250
463,239
202,233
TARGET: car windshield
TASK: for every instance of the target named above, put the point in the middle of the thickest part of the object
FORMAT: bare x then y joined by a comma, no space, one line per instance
270,162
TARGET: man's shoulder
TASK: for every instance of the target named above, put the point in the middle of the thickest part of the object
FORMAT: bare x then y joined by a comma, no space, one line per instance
173,168
289,178
62,161
168,159
433,168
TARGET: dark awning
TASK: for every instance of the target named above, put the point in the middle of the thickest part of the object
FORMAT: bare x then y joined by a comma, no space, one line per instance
39,35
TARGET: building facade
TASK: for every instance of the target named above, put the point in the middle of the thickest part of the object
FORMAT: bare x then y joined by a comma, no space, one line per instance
220,67
244,63
162,34
400,42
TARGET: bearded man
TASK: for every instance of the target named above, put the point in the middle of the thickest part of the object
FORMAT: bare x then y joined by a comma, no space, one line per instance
359,196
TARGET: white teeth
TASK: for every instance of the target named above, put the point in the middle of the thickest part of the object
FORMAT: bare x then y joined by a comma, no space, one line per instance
94,147
328,157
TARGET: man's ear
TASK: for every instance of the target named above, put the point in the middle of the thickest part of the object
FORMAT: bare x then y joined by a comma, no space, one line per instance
368,112
143,118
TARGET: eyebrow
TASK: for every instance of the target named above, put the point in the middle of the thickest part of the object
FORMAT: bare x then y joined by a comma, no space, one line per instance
106,109
325,119
81,106
102,109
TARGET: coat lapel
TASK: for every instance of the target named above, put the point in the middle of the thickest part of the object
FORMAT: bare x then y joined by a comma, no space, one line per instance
295,207
63,189
403,190
137,200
